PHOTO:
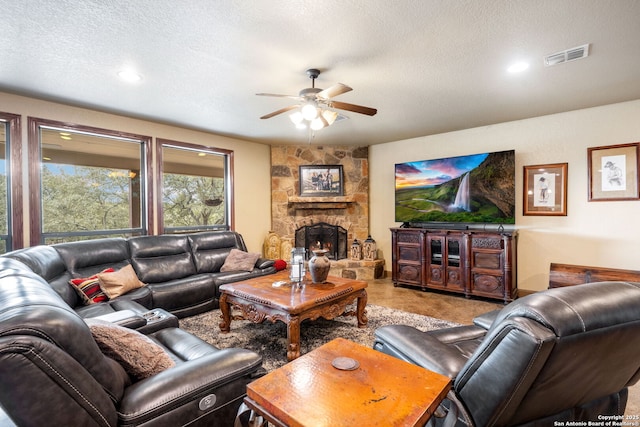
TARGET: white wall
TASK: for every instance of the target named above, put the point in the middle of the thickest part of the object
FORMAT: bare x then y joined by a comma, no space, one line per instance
605,234
252,162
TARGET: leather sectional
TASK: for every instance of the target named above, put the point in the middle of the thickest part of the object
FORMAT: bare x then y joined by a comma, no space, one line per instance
181,272
53,370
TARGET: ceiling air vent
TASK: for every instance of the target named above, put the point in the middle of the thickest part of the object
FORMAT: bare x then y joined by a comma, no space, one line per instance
567,55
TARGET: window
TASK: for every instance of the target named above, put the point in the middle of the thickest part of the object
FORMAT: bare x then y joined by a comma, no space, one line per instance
93,183
10,198
195,187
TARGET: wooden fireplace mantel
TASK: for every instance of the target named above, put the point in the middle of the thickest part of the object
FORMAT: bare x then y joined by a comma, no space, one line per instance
320,202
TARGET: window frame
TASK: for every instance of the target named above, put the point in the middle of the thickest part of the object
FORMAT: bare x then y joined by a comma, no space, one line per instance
15,231
161,143
35,175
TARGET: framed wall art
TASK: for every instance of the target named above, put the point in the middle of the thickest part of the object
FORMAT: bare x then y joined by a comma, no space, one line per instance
545,190
613,172
321,180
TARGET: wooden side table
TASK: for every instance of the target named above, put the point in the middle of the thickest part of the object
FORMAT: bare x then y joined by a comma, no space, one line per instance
381,390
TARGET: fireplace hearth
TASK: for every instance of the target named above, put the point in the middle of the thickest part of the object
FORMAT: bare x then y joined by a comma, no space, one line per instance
331,238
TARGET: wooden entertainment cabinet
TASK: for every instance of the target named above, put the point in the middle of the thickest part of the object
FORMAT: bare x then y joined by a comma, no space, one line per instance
469,262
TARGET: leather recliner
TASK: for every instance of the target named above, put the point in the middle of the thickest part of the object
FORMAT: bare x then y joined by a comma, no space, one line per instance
565,354
53,372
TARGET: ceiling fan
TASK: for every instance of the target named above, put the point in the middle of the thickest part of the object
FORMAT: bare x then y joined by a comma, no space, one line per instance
315,103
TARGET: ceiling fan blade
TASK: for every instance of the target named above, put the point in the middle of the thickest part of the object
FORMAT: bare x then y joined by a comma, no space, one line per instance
355,108
334,90
280,111
297,98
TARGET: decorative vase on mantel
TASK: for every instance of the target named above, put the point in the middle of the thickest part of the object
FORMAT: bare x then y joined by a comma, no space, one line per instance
319,266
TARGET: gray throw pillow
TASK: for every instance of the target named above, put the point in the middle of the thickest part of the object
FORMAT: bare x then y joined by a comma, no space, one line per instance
238,260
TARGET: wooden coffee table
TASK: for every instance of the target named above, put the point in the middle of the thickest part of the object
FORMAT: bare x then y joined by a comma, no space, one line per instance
259,300
381,391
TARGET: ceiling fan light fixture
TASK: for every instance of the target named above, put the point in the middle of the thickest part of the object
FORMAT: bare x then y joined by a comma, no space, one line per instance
296,117
316,124
309,111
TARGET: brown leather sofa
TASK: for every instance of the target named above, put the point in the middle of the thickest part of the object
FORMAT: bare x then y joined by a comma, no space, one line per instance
560,355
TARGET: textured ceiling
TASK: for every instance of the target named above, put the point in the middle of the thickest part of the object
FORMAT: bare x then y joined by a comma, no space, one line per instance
428,66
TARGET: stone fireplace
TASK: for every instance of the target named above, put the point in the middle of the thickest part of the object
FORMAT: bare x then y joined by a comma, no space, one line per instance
350,212
289,210
331,238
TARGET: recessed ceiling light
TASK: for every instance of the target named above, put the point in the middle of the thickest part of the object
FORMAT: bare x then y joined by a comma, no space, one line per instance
518,67
129,76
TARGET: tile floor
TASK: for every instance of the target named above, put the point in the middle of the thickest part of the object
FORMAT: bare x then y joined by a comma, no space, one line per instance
455,308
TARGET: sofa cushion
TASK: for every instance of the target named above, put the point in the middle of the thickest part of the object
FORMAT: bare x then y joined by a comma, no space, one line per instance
138,354
89,288
89,257
86,258
175,295
210,249
158,259
47,263
238,260
116,283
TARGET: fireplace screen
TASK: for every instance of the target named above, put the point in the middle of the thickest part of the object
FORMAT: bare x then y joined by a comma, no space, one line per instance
332,238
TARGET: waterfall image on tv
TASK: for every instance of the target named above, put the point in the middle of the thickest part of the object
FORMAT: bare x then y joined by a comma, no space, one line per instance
478,188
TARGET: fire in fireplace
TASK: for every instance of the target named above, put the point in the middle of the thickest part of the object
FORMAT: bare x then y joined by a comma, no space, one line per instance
332,238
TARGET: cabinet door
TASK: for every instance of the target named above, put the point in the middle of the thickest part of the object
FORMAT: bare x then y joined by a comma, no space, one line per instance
436,259
489,285
409,264
408,256
454,263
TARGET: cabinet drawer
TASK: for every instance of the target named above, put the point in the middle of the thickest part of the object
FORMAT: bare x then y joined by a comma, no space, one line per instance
487,260
409,253
408,237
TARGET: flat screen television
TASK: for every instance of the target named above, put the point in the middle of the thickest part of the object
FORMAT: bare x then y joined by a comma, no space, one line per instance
478,188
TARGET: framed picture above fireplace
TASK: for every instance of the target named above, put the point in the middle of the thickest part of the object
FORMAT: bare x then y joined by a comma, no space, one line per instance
321,180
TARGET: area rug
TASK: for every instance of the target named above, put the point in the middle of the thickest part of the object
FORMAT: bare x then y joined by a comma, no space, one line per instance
270,339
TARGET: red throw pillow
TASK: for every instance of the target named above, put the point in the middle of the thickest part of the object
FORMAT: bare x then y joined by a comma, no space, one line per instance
89,288
280,264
